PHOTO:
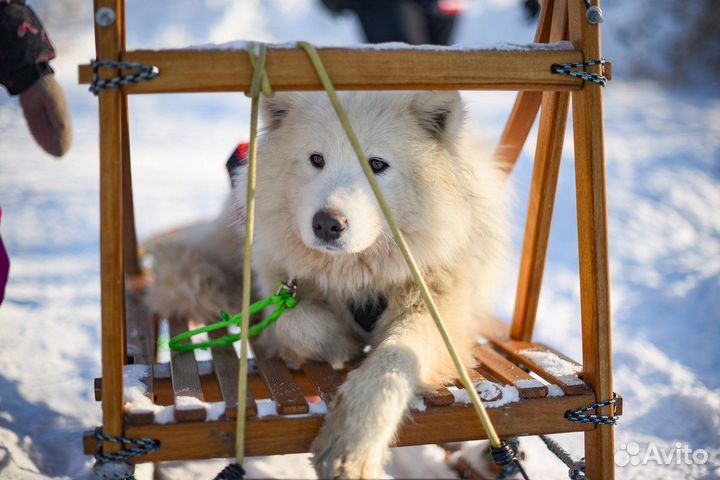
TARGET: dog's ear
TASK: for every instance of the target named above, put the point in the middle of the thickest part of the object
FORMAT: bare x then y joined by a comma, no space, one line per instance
440,114
275,109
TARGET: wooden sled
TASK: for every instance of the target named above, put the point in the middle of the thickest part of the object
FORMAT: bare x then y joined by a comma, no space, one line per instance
127,327
290,424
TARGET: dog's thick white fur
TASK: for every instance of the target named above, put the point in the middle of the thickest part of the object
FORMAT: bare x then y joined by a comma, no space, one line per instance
450,201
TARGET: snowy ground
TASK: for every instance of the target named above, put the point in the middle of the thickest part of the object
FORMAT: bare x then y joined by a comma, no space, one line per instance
663,152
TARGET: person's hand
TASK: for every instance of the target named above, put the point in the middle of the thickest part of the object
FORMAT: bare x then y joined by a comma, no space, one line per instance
47,115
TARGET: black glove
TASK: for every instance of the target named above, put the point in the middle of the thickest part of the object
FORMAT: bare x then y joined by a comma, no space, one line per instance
25,51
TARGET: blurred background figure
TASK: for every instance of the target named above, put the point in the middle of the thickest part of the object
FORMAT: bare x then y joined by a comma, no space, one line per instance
417,22
532,7
25,53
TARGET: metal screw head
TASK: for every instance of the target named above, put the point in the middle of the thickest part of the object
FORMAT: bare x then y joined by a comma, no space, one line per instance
105,16
594,15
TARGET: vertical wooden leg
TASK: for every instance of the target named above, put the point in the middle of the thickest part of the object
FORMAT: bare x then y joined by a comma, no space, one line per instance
517,129
551,136
553,123
526,104
132,261
108,42
593,244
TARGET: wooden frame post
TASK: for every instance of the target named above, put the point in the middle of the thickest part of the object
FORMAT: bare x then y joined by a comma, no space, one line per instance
132,261
108,45
551,136
593,242
527,104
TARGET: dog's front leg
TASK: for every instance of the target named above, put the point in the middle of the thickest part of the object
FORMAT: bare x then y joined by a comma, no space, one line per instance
310,331
353,442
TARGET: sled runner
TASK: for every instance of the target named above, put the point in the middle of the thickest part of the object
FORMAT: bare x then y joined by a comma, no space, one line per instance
564,63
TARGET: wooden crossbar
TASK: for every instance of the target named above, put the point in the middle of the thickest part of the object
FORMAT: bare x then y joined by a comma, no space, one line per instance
283,435
187,71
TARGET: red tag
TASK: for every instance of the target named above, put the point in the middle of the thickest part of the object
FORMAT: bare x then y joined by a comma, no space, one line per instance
242,151
452,8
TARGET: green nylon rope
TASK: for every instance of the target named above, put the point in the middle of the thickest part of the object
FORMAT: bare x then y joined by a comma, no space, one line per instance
402,244
282,300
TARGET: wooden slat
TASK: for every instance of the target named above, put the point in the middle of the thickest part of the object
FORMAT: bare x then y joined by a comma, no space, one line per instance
475,376
185,377
225,362
439,398
527,104
548,152
355,69
286,393
325,379
593,242
509,373
140,346
513,349
108,43
282,435
130,244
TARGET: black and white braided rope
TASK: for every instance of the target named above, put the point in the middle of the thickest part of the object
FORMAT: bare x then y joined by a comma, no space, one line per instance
569,69
143,73
581,415
576,469
114,465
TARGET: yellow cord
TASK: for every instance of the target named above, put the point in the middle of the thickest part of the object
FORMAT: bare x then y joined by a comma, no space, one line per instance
402,244
260,82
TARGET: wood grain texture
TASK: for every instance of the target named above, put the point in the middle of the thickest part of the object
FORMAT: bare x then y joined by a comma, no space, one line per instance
525,109
508,372
475,376
130,244
325,379
514,349
353,69
589,135
226,363
548,153
282,435
185,378
108,44
288,395
439,398
140,346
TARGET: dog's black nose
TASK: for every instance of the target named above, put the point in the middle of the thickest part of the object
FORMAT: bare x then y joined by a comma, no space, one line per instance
329,225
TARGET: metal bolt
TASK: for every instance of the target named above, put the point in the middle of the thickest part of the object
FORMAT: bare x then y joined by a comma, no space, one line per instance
594,15
105,16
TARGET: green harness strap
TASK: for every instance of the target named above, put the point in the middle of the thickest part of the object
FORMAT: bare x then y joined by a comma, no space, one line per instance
283,299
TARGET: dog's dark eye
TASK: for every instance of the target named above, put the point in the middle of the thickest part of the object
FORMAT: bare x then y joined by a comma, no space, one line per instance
317,160
378,164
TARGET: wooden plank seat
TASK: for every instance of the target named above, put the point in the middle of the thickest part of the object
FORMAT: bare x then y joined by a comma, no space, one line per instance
194,402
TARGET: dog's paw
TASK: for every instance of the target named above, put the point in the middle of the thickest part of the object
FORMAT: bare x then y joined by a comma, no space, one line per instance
344,449
310,332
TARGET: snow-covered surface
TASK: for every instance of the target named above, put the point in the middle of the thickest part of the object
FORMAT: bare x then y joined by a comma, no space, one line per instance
492,394
530,383
458,47
554,365
663,157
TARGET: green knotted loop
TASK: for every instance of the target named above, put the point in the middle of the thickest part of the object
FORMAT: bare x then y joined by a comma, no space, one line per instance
283,299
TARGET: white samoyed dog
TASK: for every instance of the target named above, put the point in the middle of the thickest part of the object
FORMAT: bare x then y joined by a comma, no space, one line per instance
319,224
